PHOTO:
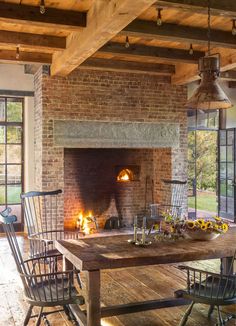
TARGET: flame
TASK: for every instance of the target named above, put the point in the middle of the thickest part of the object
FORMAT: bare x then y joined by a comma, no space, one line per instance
125,175
84,222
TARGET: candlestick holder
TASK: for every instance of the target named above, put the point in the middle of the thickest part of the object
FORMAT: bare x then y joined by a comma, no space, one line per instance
143,242
134,240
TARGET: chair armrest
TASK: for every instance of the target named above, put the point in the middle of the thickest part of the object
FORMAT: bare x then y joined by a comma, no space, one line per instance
197,270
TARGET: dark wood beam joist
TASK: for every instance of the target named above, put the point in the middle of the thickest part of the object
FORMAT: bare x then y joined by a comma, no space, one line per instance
25,57
150,52
30,15
128,66
43,42
218,7
178,33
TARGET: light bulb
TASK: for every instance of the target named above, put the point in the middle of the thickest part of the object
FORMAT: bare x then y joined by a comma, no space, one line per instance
42,8
159,18
127,42
191,49
17,53
233,27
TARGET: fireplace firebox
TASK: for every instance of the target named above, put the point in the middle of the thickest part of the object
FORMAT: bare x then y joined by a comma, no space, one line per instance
109,183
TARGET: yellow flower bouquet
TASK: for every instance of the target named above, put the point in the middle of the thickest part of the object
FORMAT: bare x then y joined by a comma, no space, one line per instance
205,229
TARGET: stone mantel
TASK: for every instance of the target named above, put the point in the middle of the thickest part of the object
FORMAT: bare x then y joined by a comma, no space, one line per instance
111,134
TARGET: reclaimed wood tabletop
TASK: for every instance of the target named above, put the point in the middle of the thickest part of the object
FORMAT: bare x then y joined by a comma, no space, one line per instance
115,252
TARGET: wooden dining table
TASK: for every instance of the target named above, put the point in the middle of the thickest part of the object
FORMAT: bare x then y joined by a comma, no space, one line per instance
95,254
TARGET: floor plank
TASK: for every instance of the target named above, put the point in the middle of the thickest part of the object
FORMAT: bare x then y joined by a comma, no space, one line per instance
118,286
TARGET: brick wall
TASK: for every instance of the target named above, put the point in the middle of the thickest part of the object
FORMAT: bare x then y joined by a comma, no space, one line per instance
107,96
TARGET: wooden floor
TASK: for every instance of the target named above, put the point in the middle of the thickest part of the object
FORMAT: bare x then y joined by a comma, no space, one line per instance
118,286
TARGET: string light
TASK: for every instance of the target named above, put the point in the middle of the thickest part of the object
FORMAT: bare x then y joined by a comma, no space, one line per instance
159,18
17,53
233,27
42,8
191,49
127,45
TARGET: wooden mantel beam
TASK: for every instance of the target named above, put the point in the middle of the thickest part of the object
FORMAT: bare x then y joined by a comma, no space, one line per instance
189,72
178,33
218,7
43,42
30,15
149,52
105,19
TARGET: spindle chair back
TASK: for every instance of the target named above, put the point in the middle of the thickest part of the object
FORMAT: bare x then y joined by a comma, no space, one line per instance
43,287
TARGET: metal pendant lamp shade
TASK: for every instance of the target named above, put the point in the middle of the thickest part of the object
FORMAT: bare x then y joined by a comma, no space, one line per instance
209,95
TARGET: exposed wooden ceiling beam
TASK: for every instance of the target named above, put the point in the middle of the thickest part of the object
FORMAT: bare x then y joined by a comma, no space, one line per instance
228,75
218,7
30,15
150,52
29,57
178,33
43,42
104,20
188,73
128,66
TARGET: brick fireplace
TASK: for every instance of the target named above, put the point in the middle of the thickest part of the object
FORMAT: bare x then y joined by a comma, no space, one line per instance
86,170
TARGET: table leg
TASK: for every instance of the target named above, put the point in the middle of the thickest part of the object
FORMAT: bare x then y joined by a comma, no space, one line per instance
67,265
93,299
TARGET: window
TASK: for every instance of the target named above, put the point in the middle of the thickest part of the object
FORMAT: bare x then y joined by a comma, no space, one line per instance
202,163
11,155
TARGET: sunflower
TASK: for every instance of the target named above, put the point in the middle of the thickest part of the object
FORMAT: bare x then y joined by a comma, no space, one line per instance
209,224
225,227
190,224
217,218
204,227
200,221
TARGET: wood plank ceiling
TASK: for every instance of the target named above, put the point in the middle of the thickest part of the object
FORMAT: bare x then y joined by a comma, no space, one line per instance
92,34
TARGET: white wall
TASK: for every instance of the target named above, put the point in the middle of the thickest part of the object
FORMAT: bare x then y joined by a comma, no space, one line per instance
12,78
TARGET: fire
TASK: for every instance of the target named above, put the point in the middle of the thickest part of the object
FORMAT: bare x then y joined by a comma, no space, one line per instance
125,175
86,222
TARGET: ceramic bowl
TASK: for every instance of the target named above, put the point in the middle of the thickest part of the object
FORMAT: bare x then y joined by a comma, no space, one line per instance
201,235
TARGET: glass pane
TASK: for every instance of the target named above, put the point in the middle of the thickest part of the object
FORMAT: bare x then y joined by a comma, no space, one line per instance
230,137
223,187
230,172
2,109
13,194
2,135
2,195
223,170
13,153
13,174
230,205
230,189
16,210
222,137
14,134
2,153
2,175
230,153
223,204
14,110
223,153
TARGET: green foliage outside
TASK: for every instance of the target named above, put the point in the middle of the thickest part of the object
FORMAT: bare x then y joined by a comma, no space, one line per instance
205,156
205,202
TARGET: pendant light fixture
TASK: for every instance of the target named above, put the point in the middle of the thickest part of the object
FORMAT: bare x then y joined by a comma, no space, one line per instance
209,95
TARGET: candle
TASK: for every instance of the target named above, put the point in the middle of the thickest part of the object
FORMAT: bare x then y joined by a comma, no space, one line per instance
144,222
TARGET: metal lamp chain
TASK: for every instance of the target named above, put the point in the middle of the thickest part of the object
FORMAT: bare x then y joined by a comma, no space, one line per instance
209,27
